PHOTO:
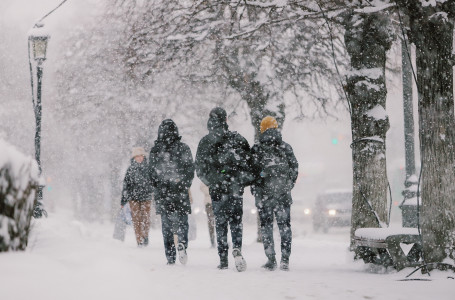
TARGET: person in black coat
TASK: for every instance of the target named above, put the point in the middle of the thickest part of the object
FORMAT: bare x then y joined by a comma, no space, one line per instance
222,163
137,190
276,169
171,170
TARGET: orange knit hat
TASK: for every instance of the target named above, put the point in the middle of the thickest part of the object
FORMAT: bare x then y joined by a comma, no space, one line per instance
267,123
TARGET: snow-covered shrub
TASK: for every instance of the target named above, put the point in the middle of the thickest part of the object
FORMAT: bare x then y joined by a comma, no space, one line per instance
19,180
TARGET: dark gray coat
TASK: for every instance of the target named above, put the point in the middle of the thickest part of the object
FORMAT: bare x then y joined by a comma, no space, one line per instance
223,156
271,138
171,170
136,185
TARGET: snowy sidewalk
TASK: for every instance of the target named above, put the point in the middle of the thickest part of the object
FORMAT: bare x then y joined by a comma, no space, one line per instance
67,259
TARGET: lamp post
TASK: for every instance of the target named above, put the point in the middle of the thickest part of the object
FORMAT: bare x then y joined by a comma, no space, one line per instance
37,40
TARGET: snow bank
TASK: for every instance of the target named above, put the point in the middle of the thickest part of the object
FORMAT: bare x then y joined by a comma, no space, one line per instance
19,180
71,260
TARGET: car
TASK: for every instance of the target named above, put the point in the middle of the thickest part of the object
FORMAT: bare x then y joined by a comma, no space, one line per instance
332,208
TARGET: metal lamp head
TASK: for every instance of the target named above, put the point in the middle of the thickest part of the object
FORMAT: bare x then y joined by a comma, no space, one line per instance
38,38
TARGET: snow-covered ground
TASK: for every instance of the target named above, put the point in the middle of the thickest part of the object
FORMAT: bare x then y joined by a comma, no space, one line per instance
67,259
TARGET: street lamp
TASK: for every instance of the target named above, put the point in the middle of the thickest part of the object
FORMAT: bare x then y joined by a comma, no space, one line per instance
37,43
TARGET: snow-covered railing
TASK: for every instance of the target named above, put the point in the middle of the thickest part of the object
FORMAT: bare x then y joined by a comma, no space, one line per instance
19,180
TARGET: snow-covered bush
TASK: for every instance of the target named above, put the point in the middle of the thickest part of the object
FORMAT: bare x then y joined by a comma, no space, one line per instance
19,180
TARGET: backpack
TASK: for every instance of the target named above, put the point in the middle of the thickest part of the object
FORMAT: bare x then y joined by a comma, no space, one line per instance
275,170
234,159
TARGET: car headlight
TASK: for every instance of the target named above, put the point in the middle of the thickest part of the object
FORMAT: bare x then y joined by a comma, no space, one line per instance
254,211
332,212
306,211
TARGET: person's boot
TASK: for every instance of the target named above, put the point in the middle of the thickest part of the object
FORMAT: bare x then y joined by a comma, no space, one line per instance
145,241
223,263
284,264
270,265
183,257
240,263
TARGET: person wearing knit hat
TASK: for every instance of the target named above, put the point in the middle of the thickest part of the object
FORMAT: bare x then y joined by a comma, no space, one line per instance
137,191
267,123
275,169
137,151
222,164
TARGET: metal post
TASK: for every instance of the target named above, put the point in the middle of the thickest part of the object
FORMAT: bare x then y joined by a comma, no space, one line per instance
38,108
38,210
408,112
409,204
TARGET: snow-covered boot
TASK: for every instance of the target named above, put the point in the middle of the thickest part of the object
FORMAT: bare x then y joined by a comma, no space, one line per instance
240,263
284,264
223,263
183,257
145,241
270,265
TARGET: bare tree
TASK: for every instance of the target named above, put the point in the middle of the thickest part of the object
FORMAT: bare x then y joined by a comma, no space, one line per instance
255,49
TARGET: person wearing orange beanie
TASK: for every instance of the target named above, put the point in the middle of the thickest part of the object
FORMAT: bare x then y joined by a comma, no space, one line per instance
268,123
275,169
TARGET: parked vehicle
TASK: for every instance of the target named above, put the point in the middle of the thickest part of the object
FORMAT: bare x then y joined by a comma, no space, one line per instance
332,209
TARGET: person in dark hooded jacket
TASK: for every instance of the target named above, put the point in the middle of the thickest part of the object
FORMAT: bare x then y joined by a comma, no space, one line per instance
276,169
137,190
222,163
171,170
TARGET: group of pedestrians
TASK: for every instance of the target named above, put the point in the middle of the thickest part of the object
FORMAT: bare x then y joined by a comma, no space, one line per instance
226,164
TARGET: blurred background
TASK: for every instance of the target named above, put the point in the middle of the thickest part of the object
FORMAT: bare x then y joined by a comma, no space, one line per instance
86,143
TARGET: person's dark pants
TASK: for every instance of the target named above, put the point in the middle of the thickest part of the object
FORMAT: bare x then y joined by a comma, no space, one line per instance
228,211
174,223
282,213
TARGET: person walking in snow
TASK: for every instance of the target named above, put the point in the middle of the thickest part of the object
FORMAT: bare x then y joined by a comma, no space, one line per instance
137,190
171,170
222,163
209,212
275,169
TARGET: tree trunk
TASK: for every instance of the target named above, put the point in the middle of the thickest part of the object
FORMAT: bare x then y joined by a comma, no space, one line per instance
432,34
367,39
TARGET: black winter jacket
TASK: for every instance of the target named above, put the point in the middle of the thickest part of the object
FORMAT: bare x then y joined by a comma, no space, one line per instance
223,156
272,138
171,170
136,185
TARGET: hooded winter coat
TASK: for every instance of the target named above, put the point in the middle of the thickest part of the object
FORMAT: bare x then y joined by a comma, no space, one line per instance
222,158
171,170
271,140
136,185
